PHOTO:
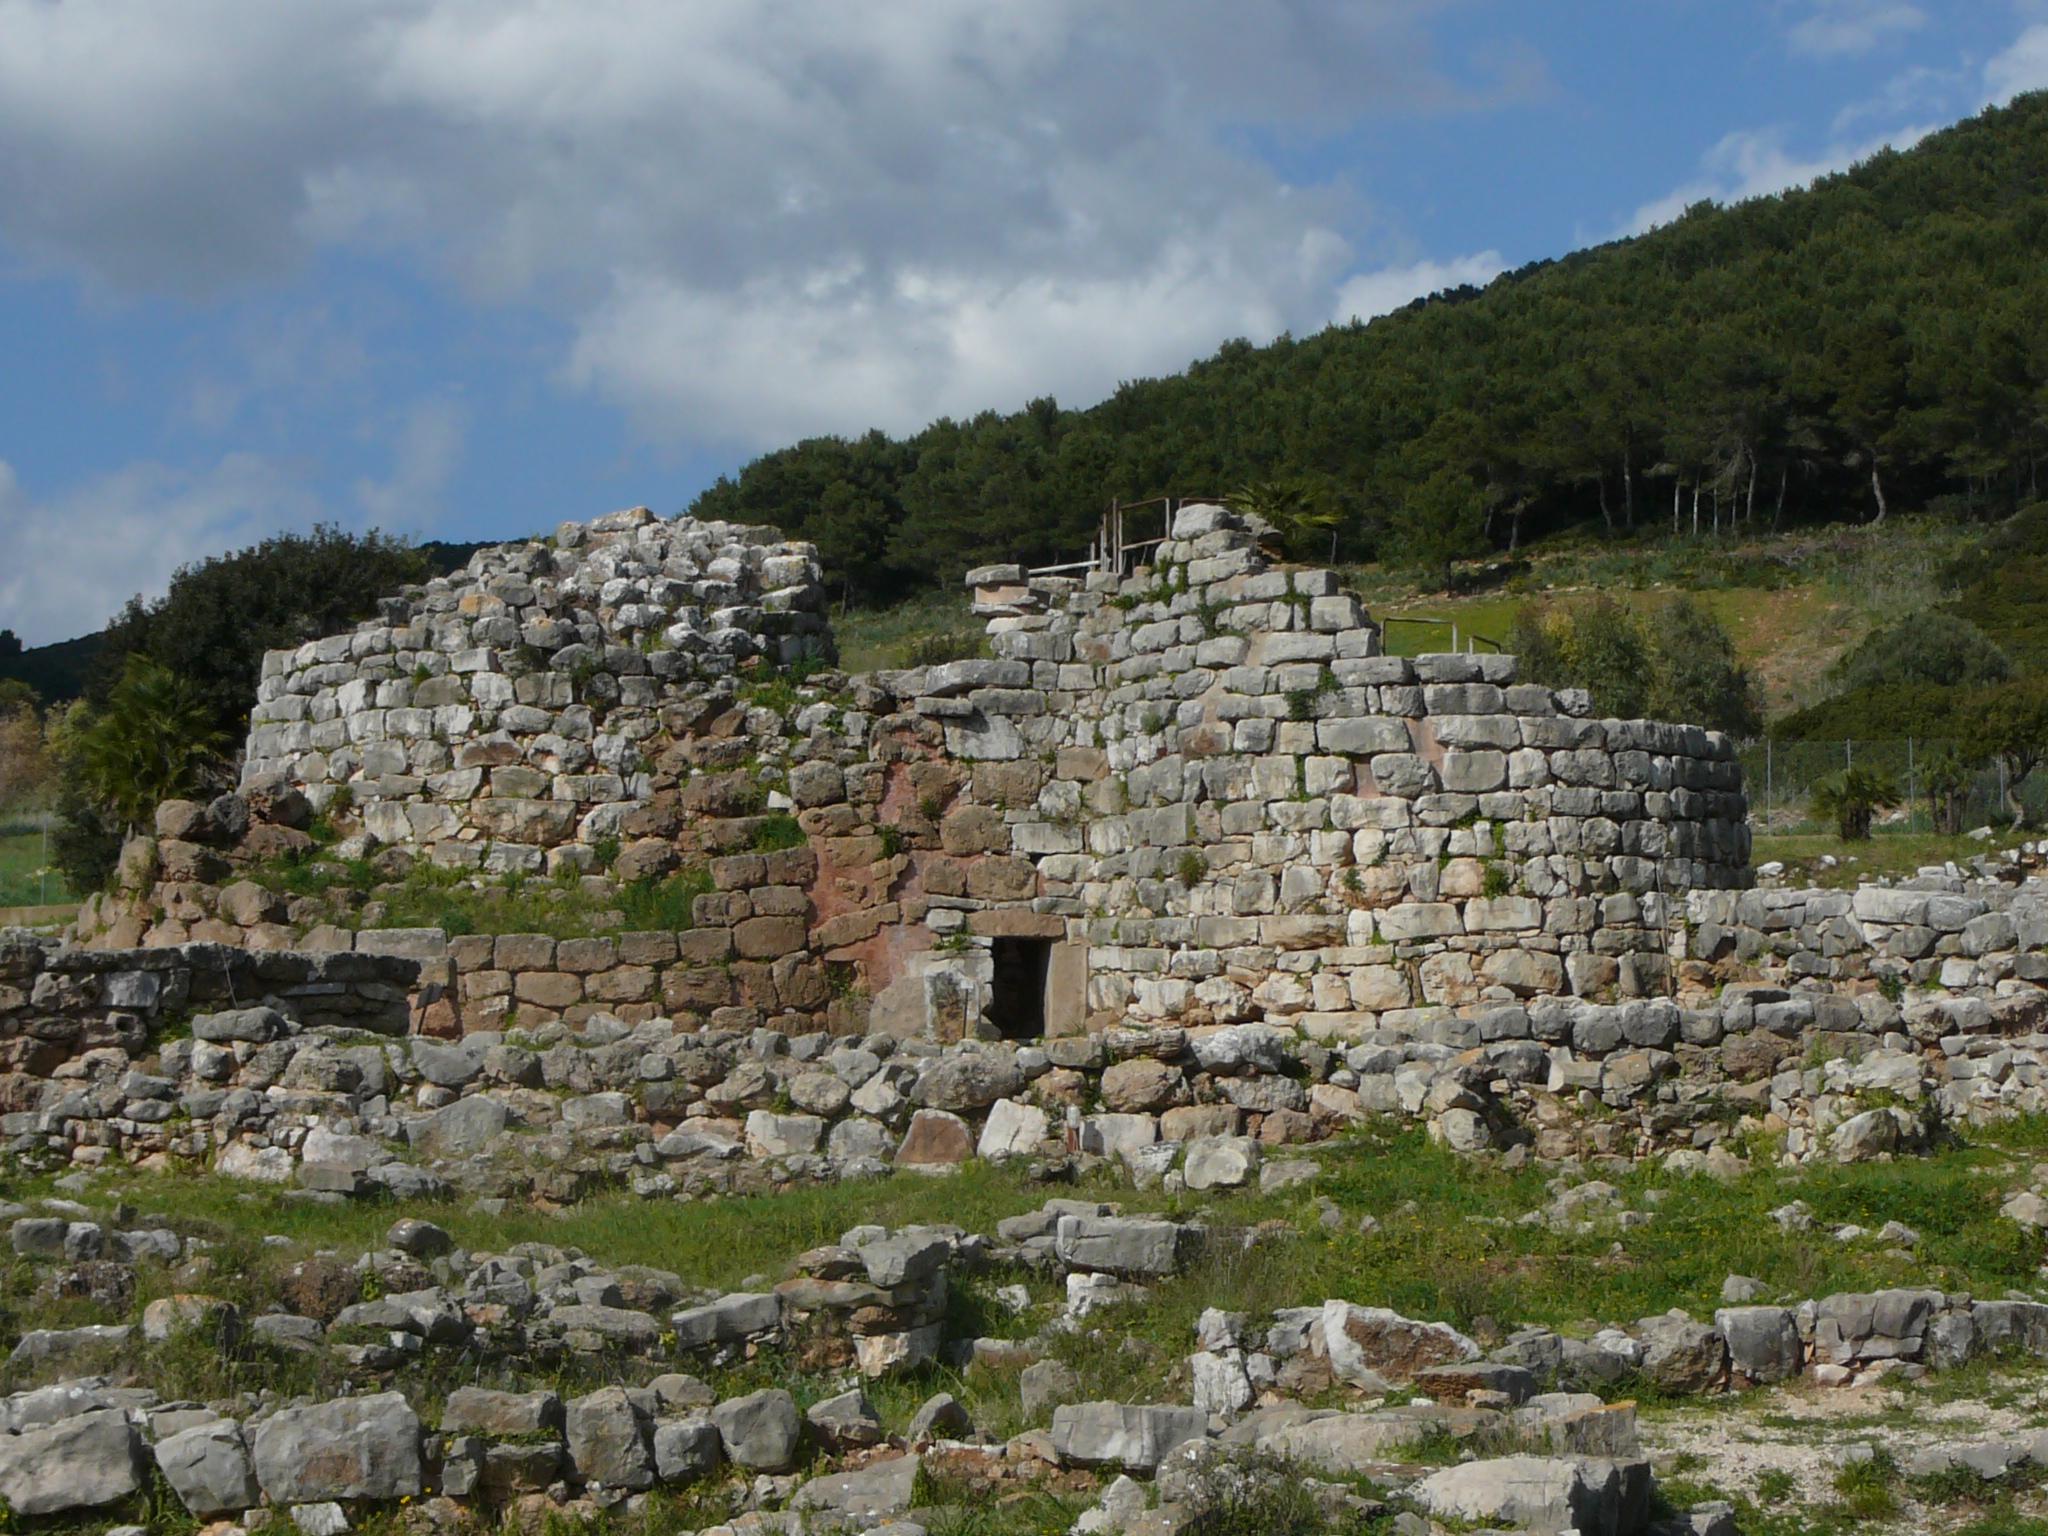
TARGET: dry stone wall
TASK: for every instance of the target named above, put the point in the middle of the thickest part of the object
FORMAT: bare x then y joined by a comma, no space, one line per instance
1941,930
70,1017
499,719
656,1098
1194,795
1242,810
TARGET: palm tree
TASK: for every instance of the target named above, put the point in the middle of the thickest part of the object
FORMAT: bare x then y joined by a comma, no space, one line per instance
154,741
1295,512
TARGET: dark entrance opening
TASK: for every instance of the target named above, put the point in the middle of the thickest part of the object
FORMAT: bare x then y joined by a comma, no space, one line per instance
1017,987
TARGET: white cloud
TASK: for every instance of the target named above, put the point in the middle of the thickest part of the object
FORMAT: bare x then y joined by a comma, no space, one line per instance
74,559
427,451
2021,67
1835,27
1381,292
758,217
1756,163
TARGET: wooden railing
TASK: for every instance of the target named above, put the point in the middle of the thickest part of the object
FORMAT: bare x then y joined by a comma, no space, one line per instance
1113,549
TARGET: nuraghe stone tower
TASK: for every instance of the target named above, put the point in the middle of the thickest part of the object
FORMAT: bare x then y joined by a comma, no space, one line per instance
1195,792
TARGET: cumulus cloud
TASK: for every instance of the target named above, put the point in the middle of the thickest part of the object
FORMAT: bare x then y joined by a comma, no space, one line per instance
1836,27
74,559
2021,67
1386,289
758,217
1756,163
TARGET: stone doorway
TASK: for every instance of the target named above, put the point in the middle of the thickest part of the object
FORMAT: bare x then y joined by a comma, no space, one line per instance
1017,988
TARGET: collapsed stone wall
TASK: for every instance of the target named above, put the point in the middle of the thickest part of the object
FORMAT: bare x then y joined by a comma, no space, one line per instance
500,718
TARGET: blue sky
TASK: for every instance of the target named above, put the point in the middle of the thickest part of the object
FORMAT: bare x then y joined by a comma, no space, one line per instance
466,268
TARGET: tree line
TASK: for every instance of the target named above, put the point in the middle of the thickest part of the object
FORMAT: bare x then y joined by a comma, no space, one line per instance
1878,340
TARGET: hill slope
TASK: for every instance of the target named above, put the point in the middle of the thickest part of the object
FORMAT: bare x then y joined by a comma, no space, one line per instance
1874,342
63,670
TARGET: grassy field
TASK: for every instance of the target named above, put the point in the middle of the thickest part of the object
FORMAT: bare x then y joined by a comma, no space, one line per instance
1389,1220
1443,1242
912,633
1885,853
21,856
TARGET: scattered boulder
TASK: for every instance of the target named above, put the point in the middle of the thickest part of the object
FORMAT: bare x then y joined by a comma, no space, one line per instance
761,1431
82,1462
208,1467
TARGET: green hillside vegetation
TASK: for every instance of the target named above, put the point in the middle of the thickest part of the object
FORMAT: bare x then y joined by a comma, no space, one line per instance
1771,467
68,669
1836,354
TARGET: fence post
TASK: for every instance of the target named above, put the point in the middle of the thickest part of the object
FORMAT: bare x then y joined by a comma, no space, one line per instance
1767,781
1912,801
1848,753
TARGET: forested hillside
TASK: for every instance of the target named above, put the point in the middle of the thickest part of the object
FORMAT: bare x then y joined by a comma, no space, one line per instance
1876,342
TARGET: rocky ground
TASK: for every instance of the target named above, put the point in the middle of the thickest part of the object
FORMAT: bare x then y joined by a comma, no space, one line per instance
1375,1336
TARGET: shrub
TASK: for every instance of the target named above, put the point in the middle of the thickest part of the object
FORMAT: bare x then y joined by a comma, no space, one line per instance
1852,798
776,832
218,617
1869,714
1595,644
154,740
1697,678
2010,723
1676,663
1933,649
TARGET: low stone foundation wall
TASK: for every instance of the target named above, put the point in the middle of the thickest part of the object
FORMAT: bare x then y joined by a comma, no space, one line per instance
59,1004
1936,931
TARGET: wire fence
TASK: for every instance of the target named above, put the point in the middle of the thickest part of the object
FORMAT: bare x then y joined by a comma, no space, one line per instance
1780,777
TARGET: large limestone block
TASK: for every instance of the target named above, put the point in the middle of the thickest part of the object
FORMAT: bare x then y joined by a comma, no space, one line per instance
609,1439
1130,1435
1013,1129
1763,1342
873,1495
82,1462
761,1431
355,1448
1543,1493
1341,1444
208,1467
1372,1346
1130,1248
459,1129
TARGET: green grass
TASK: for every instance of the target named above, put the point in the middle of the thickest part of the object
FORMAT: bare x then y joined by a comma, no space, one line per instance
1885,853
1792,603
911,633
431,897
707,1242
1447,1247
21,856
